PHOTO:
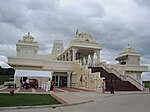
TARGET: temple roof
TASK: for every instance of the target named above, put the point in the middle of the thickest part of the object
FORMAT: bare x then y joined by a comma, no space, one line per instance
128,51
83,37
28,37
86,39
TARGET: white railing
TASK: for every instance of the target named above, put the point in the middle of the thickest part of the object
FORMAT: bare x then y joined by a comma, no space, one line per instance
119,75
110,70
135,82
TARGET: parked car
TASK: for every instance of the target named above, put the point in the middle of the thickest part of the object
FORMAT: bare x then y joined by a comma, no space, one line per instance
32,83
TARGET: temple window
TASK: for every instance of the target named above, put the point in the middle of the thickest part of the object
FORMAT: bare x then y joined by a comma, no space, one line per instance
86,40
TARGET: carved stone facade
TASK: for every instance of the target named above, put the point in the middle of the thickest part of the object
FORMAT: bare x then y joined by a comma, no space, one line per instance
57,48
83,48
129,56
69,67
27,47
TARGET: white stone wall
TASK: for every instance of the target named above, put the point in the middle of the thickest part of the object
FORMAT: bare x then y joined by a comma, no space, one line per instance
133,60
83,78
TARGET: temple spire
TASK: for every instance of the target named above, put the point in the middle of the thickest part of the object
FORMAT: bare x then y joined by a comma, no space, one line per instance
77,32
128,46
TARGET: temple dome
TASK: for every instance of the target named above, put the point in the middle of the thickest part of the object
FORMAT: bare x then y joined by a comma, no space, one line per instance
28,38
130,50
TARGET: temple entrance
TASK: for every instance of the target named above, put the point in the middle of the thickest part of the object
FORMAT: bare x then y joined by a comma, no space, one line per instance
60,81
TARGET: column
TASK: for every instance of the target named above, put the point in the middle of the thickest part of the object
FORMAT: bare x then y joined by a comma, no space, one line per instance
68,79
61,58
66,57
74,51
58,80
86,59
69,56
98,56
82,61
92,58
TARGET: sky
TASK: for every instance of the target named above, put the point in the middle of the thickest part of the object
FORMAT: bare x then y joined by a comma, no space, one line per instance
113,23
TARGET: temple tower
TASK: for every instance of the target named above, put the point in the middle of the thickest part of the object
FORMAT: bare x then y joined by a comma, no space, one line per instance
129,56
27,47
57,48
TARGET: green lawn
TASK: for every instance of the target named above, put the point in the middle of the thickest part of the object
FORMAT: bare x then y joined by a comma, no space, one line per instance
26,100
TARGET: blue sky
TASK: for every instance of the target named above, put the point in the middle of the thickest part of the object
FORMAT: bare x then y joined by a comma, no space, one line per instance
113,23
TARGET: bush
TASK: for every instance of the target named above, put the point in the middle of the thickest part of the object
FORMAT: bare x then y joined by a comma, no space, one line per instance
4,78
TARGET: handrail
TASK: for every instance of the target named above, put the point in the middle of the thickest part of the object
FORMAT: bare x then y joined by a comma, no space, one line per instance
135,81
129,77
121,74
110,69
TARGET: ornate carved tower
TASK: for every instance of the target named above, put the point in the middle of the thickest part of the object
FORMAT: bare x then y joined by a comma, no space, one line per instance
27,47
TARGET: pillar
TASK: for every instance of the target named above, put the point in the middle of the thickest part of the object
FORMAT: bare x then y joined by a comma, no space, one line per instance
66,57
98,56
92,58
86,59
74,51
69,56
68,79
63,57
82,61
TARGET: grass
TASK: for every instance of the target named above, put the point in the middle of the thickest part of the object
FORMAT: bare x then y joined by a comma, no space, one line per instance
6,100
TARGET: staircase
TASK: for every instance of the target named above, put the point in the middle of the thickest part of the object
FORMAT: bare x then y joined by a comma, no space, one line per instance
119,83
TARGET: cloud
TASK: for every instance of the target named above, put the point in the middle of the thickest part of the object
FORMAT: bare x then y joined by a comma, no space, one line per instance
146,76
3,59
144,3
113,24
3,62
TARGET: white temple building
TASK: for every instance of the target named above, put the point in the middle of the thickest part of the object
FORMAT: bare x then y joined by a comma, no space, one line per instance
79,65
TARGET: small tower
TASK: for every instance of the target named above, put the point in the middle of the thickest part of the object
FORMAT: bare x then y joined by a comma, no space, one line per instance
27,47
129,56
57,48
129,66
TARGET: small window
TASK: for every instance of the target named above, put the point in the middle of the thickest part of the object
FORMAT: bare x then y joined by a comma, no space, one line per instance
123,63
86,40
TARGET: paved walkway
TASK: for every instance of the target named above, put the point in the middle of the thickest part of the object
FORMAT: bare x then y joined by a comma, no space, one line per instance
119,102
79,97
77,100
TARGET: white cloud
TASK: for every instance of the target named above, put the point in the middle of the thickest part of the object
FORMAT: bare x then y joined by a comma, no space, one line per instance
113,23
3,59
146,76
4,65
3,62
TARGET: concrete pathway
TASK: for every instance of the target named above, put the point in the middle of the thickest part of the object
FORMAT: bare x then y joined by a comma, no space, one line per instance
76,100
119,102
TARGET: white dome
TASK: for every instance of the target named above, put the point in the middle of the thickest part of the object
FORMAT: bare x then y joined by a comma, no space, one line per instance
130,50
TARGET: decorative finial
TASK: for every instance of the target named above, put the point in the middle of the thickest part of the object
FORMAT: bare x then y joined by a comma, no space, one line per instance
77,32
129,46
28,33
